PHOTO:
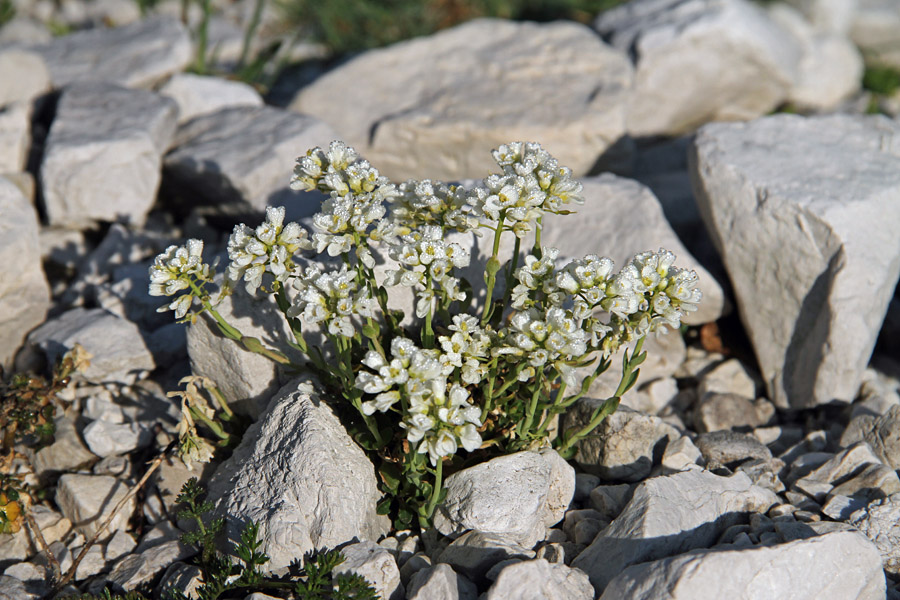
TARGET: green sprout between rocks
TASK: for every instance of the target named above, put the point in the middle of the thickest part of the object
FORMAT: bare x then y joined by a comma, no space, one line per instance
28,405
314,580
465,378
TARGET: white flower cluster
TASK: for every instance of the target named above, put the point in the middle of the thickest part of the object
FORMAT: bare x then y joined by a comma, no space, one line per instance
331,297
269,248
357,193
648,293
532,183
466,348
174,270
669,291
437,415
430,202
425,259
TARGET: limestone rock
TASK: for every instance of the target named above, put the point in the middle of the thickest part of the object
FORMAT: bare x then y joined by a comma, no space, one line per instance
66,453
110,439
103,155
440,582
825,192
376,565
842,564
240,160
620,218
87,501
137,569
28,72
24,293
742,64
517,496
15,136
439,103
623,447
301,478
203,94
717,411
884,437
248,380
137,55
727,447
880,522
474,553
670,515
117,348
876,30
831,68
540,580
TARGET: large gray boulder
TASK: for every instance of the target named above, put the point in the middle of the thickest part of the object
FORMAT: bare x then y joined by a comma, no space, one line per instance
299,475
239,160
104,154
805,214
137,55
842,564
700,60
668,516
24,293
434,106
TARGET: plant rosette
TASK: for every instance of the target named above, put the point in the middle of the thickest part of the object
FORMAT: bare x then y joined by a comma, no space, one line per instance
480,372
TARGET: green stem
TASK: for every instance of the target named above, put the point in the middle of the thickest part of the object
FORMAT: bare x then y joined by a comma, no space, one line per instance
213,426
548,416
220,398
436,490
202,37
491,271
532,406
610,405
250,32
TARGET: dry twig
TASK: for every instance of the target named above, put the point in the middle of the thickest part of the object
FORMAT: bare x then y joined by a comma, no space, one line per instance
36,531
154,464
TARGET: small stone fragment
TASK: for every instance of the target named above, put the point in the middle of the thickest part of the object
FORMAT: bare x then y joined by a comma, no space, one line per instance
728,447
87,500
540,580
376,565
440,582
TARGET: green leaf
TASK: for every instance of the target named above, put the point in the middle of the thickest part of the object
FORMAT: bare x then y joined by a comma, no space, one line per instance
384,506
390,475
371,331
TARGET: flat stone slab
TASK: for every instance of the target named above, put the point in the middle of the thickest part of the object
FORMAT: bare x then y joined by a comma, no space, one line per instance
741,64
24,293
805,214
842,564
104,154
433,107
137,55
240,160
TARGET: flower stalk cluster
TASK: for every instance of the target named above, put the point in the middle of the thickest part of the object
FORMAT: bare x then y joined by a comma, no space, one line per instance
467,380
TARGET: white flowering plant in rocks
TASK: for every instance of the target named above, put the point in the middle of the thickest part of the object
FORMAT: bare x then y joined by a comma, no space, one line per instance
469,379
